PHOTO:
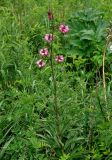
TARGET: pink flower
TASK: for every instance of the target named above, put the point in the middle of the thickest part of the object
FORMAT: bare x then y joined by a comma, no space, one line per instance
59,58
63,28
40,63
48,37
44,52
50,15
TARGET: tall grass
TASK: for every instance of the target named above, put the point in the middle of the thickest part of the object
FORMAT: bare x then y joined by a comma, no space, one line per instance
27,123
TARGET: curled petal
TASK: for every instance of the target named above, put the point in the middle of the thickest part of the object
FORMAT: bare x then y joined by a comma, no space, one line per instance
40,63
63,28
48,37
59,58
44,52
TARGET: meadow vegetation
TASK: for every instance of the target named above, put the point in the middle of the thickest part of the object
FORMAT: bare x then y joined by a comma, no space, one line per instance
74,120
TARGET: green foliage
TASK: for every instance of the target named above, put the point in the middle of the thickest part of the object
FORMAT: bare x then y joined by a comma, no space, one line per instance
28,129
88,32
87,41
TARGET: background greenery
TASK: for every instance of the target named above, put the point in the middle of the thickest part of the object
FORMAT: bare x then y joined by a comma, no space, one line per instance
27,123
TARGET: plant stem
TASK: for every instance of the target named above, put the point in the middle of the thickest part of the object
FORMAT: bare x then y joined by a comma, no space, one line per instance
55,105
56,109
101,108
54,84
103,70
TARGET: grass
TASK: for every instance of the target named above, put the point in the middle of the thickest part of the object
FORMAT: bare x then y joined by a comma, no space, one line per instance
27,119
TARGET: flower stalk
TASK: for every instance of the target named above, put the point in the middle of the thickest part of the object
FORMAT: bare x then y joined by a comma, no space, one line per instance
54,85
53,75
47,52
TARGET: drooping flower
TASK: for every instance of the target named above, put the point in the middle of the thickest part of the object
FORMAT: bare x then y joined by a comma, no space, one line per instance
44,52
40,63
48,37
63,28
50,15
59,58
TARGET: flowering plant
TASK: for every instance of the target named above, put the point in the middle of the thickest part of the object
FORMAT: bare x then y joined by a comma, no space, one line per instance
48,52
49,38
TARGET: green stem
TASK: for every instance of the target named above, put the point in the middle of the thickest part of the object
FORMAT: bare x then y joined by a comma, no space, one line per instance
54,84
55,105
56,109
101,108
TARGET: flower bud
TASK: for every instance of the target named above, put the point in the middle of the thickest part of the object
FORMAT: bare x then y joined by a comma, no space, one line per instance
50,15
